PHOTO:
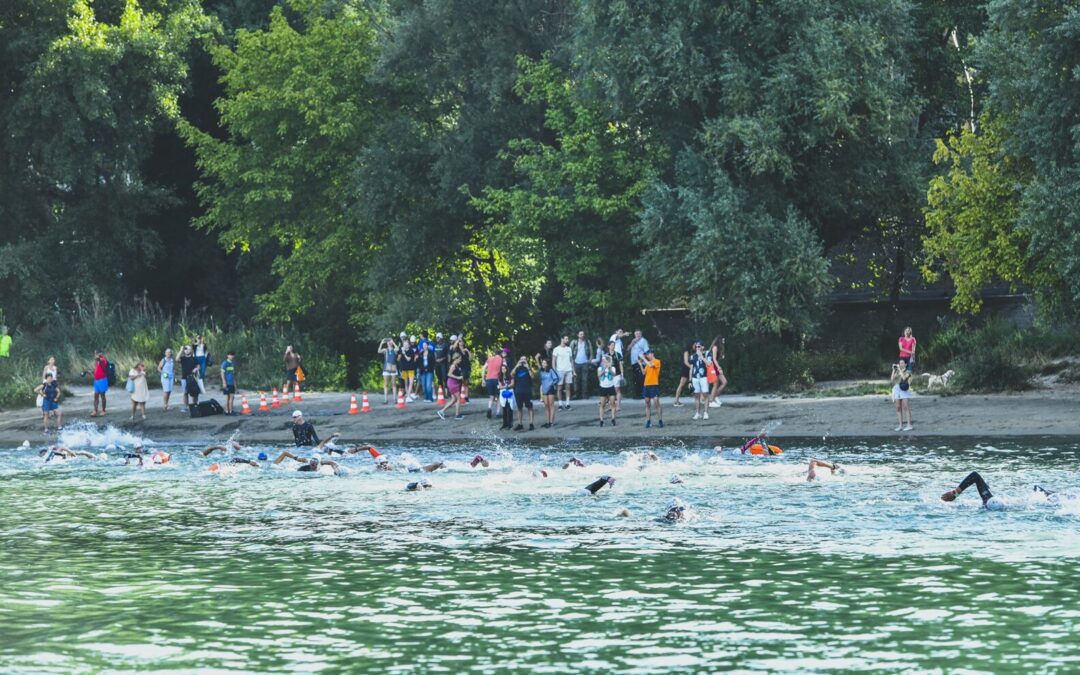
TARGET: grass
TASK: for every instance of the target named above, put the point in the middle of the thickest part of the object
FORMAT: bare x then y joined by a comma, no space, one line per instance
142,331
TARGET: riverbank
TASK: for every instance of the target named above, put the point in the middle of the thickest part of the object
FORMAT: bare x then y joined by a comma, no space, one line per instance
1046,412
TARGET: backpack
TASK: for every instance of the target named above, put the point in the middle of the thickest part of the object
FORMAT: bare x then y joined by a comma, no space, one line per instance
110,372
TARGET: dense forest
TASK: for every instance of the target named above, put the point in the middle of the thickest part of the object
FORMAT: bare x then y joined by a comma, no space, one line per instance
351,167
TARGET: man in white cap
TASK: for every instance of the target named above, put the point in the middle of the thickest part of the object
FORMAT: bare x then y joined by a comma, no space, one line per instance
303,433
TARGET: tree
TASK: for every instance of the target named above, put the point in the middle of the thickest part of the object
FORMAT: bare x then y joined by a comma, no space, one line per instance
83,97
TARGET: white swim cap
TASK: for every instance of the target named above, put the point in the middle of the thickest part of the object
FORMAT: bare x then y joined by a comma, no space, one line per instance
110,446
676,503
676,478
26,444
995,504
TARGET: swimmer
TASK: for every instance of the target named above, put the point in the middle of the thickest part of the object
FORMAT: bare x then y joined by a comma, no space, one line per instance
479,459
236,461
356,449
312,464
676,479
623,513
989,501
156,457
383,464
574,461
831,466
761,439
595,486
1056,497
540,473
64,453
232,446
676,510
418,485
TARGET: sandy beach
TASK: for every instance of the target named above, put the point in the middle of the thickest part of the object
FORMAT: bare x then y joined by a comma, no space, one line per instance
1045,412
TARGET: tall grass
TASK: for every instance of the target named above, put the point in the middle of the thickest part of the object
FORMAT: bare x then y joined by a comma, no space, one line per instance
140,330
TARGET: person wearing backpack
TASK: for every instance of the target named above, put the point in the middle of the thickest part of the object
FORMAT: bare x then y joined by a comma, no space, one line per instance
101,382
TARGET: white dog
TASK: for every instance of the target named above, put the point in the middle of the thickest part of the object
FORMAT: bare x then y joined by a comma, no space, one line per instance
938,380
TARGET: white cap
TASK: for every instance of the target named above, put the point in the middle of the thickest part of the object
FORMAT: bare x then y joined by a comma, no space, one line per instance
438,336
297,413
453,337
403,334
26,444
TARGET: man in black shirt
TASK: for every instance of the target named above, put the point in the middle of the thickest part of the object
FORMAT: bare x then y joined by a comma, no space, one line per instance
304,433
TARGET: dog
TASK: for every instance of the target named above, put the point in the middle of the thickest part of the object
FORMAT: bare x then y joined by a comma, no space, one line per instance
938,380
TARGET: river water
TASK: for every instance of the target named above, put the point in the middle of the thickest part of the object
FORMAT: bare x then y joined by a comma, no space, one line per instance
109,567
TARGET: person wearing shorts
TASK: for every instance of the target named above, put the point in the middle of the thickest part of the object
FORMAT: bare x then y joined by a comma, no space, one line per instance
715,372
388,348
167,368
562,360
607,373
699,380
228,382
523,384
454,379
49,391
407,366
492,367
101,383
684,375
650,389
549,384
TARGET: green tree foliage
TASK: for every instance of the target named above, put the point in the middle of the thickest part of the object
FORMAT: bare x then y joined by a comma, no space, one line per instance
1030,56
296,108
972,213
85,87
579,193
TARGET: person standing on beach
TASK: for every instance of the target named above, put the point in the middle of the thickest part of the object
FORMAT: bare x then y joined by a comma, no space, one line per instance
901,395
563,363
582,352
49,391
292,361
388,349
167,368
425,368
101,383
140,391
699,380
453,386
607,373
523,385
638,348
228,382
407,367
202,355
716,373
492,367
549,384
549,347
650,369
189,375
684,375
442,362
907,344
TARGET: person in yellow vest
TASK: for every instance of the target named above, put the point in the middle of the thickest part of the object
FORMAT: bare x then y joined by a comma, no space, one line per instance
5,343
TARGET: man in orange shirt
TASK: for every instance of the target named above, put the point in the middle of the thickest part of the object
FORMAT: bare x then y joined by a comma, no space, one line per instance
650,366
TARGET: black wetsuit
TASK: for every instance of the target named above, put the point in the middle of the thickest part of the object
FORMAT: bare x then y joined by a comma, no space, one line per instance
304,435
980,485
309,467
597,484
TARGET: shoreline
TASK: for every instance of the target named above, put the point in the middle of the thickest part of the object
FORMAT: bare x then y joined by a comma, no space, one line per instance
1046,412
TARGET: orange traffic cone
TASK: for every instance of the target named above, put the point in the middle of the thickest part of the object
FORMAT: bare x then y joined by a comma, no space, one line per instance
400,400
275,402
367,404
286,397
353,410
441,400
262,403
245,409
296,393
464,396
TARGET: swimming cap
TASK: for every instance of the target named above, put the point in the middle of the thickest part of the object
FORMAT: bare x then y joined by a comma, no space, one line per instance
995,504
676,503
110,446
214,467
676,479
160,457
26,444
263,456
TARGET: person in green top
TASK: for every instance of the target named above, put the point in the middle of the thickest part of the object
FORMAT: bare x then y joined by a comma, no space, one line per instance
5,343
228,382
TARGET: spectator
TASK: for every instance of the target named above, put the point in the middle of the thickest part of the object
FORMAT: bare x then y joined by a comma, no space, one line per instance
466,367
50,367
650,368
700,361
202,355
549,347
188,367
523,386
167,368
716,373
617,338
389,350
684,375
425,366
139,390
101,383
492,368
620,370
563,363
407,367
907,345
5,343
506,396
549,384
582,352
638,348
607,372
453,385
228,382
49,392
292,361
442,353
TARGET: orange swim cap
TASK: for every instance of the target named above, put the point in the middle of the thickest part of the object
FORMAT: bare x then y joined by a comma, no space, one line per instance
214,467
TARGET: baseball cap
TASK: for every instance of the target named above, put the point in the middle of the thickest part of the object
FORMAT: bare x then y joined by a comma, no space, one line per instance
297,413
438,336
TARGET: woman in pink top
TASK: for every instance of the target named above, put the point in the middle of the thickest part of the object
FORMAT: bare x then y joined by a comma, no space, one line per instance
907,349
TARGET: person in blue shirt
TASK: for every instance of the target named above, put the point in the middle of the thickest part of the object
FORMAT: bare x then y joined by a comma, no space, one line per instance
228,382
523,385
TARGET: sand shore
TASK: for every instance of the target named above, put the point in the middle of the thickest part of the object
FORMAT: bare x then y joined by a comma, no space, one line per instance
1048,412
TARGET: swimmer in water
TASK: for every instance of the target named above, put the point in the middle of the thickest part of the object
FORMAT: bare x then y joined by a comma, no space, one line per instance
479,460
1055,497
574,461
383,464
761,439
356,449
989,501
306,464
831,466
595,486
676,510
232,446
156,457
418,485
64,453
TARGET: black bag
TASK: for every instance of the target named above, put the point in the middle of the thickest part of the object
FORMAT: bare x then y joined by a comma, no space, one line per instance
206,408
110,373
904,386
